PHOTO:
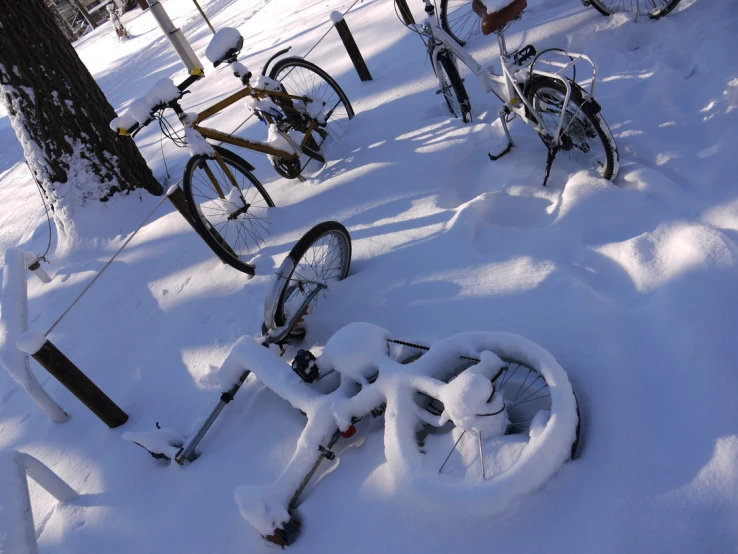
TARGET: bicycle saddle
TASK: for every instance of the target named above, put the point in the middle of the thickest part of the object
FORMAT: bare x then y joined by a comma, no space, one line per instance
494,21
224,46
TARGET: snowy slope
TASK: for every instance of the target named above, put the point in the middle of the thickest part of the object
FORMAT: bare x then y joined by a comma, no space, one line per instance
631,286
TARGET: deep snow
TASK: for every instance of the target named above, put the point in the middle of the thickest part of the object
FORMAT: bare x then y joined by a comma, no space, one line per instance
630,286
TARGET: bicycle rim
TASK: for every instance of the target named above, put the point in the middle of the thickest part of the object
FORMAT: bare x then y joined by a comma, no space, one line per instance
233,220
460,21
321,256
651,8
587,139
452,88
302,78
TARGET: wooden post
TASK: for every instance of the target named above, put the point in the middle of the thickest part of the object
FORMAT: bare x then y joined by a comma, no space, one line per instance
143,4
405,13
348,41
69,375
177,198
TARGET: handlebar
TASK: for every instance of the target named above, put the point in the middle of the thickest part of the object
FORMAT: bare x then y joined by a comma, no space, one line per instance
182,87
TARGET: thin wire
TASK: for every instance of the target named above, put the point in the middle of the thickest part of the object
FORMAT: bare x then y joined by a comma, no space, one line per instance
329,30
46,207
46,334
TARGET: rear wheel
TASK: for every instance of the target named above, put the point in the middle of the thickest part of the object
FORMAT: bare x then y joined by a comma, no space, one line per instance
232,217
586,137
652,8
329,108
499,427
452,87
459,20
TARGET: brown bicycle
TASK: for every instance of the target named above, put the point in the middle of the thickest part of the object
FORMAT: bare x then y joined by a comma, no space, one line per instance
305,112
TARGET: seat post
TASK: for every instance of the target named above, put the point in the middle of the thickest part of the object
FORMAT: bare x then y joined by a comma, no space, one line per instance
502,44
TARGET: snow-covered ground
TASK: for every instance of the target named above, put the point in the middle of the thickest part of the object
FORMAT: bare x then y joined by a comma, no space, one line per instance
631,286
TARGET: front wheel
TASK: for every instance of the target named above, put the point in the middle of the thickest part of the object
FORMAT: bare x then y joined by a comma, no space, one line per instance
452,87
228,205
460,21
328,109
585,136
652,8
321,256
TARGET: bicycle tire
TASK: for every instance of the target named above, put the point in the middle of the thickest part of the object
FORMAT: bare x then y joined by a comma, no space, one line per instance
308,266
227,233
439,465
460,21
582,127
300,77
609,7
452,88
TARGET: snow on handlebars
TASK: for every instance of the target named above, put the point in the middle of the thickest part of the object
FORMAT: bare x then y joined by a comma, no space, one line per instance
139,110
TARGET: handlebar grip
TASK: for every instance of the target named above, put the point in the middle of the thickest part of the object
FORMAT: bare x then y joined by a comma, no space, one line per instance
184,85
133,131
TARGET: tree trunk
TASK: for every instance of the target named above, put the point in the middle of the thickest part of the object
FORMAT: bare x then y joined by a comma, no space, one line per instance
61,116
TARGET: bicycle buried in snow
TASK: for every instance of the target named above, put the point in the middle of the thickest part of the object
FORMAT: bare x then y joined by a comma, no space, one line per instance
564,113
305,110
474,421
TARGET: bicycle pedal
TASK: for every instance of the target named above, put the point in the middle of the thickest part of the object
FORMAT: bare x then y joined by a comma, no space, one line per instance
285,535
524,54
305,367
327,454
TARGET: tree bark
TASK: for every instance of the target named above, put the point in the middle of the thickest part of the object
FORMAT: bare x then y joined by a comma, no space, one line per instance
61,116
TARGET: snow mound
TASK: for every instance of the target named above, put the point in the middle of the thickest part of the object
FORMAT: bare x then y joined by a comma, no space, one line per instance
353,351
671,251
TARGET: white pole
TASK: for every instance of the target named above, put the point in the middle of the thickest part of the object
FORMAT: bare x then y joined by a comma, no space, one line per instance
16,517
14,323
176,38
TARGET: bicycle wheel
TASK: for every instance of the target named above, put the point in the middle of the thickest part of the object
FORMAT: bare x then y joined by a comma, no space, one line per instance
452,87
330,107
322,255
460,21
586,137
501,426
232,219
652,8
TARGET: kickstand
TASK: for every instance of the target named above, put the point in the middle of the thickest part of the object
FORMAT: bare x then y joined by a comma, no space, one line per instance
503,119
549,162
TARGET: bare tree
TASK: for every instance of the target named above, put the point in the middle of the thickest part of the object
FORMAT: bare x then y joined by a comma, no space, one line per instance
61,116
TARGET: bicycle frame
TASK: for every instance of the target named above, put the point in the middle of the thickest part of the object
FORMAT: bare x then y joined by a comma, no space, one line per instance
508,85
256,146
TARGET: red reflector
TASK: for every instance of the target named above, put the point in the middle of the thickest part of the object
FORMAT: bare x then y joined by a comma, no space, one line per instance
348,432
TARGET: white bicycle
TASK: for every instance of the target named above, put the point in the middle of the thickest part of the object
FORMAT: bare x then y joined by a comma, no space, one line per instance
474,422
561,109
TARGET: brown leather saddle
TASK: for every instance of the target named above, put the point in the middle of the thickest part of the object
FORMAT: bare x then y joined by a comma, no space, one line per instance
493,22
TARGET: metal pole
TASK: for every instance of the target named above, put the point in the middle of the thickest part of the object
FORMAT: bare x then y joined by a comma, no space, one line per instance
205,17
176,38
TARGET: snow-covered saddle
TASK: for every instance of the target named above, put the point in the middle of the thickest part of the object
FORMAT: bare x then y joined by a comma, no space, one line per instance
496,14
224,46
